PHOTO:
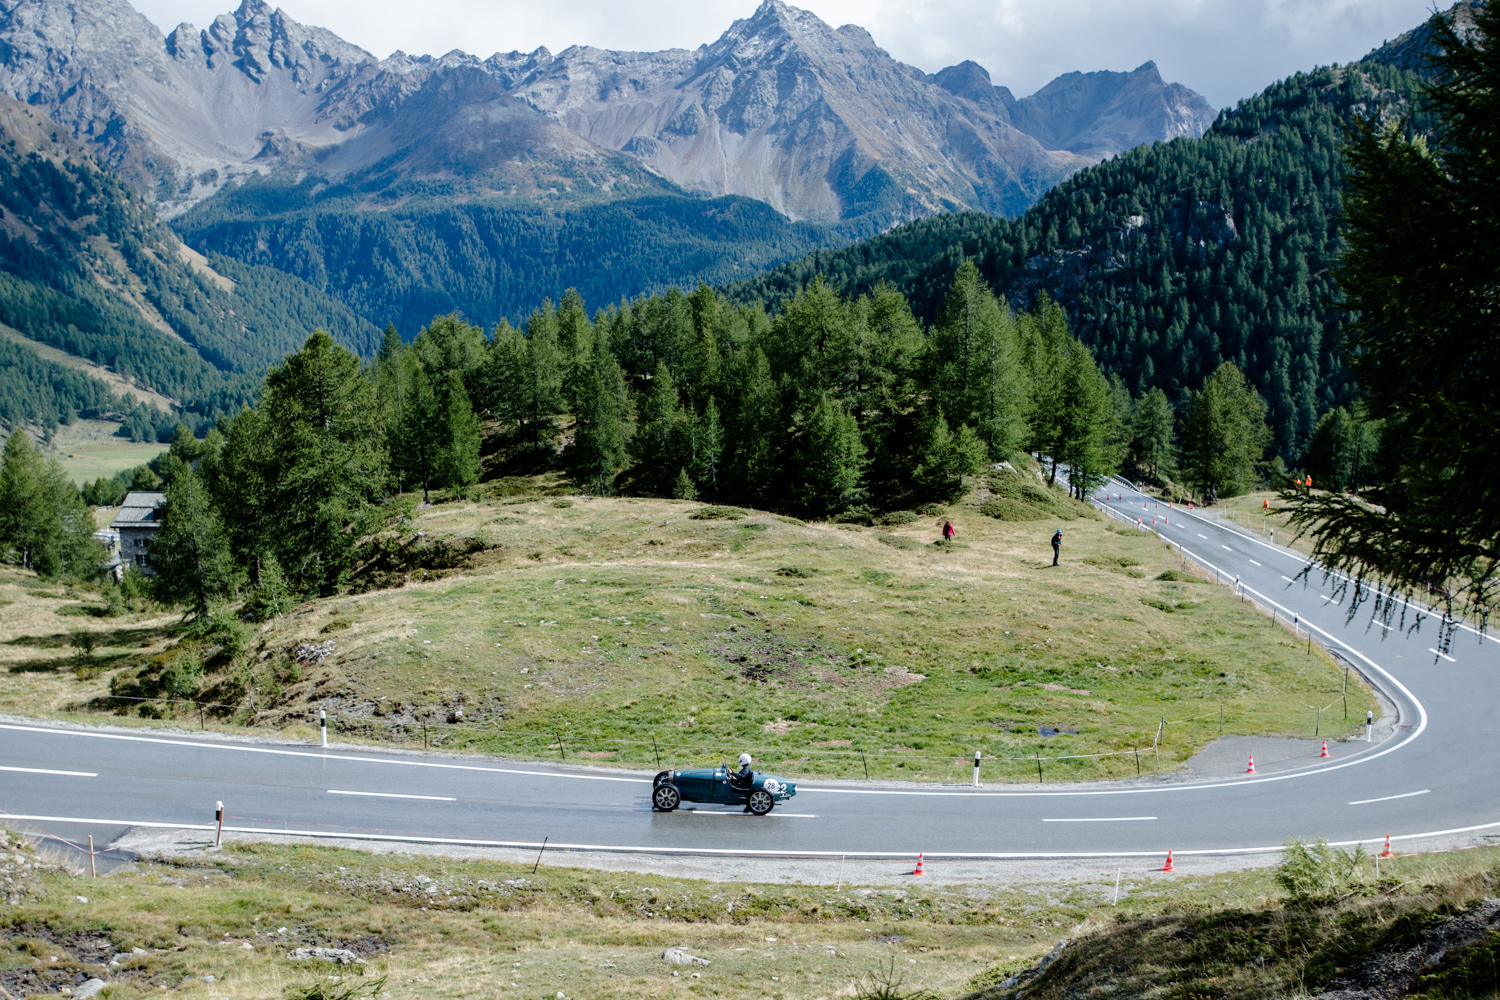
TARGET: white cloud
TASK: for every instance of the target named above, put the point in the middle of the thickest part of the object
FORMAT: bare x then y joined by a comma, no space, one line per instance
1225,49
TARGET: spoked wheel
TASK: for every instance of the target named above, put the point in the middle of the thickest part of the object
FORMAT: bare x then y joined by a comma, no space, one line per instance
665,797
760,802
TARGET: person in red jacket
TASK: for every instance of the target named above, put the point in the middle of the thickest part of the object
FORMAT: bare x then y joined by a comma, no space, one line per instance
948,531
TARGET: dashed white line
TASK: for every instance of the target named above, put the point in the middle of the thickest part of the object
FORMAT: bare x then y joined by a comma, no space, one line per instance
394,795
43,770
1226,548
1329,599
1204,537
1387,798
1287,578
1103,819
1254,563
1443,655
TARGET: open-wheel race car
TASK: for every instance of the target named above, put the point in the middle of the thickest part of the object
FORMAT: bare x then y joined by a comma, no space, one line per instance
722,786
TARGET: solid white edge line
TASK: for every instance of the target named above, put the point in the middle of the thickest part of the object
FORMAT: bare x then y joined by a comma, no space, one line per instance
1388,798
715,812
1102,819
720,851
395,795
206,745
43,770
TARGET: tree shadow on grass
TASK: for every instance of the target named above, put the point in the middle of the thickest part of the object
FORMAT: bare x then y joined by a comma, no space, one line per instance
139,636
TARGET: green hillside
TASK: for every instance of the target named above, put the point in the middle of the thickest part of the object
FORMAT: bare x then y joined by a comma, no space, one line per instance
86,267
405,261
1173,258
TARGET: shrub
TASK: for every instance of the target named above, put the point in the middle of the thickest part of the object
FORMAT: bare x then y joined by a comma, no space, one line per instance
1320,873
717,514
896,517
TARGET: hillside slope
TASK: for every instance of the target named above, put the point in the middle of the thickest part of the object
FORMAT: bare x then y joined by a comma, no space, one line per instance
85,267
1172,258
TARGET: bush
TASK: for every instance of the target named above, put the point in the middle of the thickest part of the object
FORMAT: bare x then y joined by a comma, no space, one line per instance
1320,873
717,514
181,679
896,517
932,510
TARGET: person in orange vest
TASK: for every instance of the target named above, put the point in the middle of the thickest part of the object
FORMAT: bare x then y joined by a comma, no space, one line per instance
1308,484
1265,504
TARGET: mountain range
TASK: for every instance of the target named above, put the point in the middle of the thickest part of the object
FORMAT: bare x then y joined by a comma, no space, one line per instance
820,123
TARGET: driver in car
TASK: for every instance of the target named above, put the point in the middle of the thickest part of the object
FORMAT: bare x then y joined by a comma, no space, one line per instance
741,779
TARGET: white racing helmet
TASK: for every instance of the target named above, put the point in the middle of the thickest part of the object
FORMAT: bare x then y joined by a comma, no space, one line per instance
744,759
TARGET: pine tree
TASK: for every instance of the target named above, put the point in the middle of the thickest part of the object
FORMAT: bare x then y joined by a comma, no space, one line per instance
683,488
327,459
832,459
30,530
457,428
944,458
1224,434
1151,430
973,364
658,437
708,449
603,416
190,551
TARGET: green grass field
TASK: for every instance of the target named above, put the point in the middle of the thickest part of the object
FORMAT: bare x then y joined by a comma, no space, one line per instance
90,460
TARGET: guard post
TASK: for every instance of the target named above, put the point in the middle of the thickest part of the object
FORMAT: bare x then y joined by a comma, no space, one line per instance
976,768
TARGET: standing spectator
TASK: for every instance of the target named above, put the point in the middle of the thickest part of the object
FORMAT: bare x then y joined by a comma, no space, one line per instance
1056,546
948,531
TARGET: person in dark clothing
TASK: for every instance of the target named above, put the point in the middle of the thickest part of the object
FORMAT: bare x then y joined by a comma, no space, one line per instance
1056,546
742,778
948,531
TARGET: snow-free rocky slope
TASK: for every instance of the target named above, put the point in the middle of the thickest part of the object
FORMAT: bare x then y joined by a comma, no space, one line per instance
820,123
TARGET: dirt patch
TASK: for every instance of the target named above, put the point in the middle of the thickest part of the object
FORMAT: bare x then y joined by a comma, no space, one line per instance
780,727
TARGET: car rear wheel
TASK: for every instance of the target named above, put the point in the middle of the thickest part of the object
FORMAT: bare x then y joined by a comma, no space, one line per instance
665,797
761,802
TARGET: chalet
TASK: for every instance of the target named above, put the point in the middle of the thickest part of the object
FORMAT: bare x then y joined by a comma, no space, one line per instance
136,521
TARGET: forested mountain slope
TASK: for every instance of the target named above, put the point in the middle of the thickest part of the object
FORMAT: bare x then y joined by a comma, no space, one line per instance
86,267
490,259
1172,258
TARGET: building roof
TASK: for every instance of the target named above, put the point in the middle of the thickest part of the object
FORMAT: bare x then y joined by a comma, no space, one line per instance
138,510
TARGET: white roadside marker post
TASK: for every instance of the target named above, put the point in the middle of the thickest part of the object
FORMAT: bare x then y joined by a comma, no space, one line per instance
323,726
976,768
219,819
1369,721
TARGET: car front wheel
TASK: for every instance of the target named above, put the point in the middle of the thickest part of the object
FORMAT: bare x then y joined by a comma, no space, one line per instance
665,797
761,802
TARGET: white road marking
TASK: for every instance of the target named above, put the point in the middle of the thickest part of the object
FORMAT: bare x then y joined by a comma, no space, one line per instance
1204,537
1443,655
1254,563
394,795
1226,548
1329,599
1287,578
773,812
1387,798
1103,819
43,770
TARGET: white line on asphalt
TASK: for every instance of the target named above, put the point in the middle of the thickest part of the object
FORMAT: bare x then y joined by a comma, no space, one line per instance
774,812
1204,537
1287,578
1226,548
1329,599
1387,798
1103,819
320,754
394,795
1254,563
410,838
1443,655
43,770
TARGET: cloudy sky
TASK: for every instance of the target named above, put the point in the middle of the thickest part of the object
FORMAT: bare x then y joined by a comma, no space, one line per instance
1224,49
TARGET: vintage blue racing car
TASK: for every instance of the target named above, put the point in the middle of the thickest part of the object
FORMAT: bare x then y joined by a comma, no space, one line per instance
719,785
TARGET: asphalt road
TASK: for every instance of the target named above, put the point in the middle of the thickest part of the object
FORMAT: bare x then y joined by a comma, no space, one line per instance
1434,775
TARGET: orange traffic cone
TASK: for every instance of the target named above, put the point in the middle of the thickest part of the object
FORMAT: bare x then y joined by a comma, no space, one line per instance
1251,768
1387,853
1168,867
1325,749
918,870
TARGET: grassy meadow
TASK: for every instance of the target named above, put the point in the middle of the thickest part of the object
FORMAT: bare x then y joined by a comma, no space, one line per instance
627,631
